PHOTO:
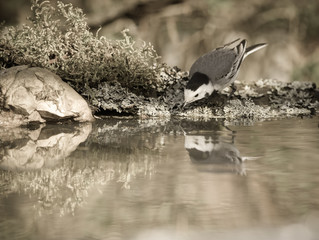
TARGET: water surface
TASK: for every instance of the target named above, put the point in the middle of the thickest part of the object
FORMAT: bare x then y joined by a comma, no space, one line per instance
178,179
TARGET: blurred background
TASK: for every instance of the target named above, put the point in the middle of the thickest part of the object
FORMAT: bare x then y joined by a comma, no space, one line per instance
182,30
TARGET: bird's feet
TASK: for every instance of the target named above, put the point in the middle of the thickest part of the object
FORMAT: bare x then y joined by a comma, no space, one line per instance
233,90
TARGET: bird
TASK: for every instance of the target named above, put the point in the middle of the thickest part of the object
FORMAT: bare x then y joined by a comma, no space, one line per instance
216,70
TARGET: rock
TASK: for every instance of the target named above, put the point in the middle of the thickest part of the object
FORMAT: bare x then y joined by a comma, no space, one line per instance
39,95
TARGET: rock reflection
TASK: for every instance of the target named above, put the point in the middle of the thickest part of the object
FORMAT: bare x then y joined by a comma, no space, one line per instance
33,162
211,147
42,147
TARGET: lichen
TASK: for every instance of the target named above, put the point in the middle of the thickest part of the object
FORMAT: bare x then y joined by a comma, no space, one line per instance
153,110
59,39
199,113
246,109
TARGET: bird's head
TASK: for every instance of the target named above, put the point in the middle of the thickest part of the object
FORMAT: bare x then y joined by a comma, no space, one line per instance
197,88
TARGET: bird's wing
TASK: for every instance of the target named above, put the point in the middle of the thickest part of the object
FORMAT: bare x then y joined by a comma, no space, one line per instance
220,63
215,64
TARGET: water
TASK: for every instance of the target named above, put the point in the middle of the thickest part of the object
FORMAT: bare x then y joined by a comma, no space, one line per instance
134,179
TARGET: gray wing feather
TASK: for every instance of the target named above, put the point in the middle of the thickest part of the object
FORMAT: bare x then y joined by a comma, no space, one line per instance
216,64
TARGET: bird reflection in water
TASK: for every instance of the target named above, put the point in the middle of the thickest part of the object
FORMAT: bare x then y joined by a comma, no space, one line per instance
211,147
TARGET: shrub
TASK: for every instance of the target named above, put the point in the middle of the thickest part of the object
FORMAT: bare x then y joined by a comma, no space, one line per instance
58,38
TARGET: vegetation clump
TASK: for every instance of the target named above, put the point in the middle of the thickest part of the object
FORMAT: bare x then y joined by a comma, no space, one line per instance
58,38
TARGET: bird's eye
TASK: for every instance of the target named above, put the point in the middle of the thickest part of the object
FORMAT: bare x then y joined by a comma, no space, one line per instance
196,95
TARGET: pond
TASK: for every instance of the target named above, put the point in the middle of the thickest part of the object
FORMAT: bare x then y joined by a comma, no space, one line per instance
160,179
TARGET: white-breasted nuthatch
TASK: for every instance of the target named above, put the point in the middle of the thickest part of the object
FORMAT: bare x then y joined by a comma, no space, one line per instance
216,70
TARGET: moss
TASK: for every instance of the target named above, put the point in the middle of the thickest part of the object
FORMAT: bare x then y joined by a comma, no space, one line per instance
154,109
59,39
199,113
247,109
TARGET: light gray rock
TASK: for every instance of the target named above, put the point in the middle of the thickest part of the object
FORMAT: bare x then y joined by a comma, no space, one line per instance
40,95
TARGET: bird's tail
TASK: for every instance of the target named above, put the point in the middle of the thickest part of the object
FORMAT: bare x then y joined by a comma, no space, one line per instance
254,48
